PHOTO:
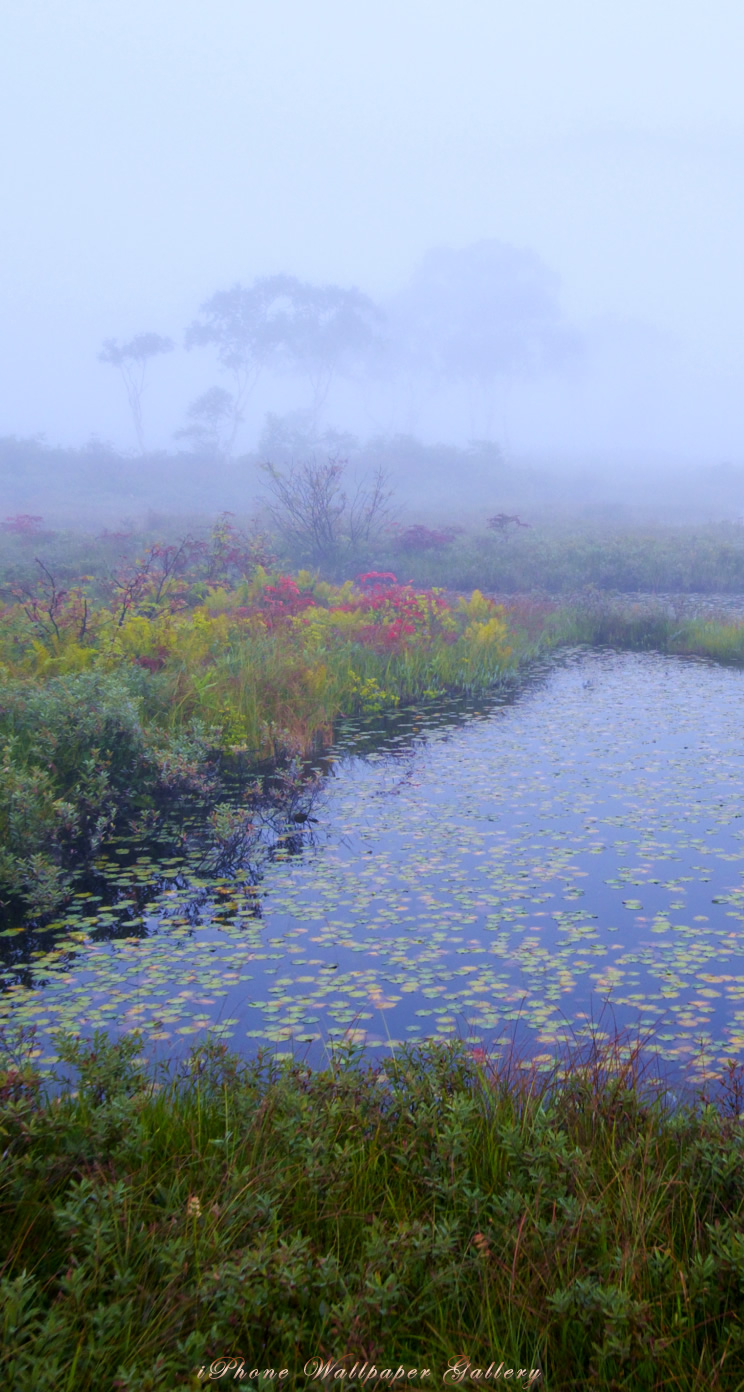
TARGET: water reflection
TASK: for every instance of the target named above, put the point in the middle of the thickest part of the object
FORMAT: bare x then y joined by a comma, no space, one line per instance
470,867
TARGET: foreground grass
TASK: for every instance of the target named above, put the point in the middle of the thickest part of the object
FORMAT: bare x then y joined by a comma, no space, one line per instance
436,1207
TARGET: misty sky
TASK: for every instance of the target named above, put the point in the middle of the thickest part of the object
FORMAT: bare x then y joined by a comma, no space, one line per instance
155,151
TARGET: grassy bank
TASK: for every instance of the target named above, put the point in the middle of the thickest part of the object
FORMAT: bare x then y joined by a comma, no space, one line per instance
440,1206
436,1207
121,691
560,558
599,619
116,695
552,554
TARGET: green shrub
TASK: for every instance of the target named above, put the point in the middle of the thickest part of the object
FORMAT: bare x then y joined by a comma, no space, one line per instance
441,1206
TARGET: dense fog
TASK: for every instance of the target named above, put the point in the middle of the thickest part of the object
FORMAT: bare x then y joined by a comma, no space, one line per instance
496,250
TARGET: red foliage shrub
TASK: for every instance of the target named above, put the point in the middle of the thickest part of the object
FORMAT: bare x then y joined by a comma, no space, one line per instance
397,612
528,614
23,524
420,538
282,601
153,664
377,579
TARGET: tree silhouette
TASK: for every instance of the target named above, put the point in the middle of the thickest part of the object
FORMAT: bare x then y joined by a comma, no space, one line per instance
132,360
479,315
211,418
283,323
246,326
329,331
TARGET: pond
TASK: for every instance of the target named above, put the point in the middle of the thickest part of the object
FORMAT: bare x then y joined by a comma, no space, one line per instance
566,858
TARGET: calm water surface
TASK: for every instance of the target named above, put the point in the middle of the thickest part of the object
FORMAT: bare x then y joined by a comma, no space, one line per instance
470,867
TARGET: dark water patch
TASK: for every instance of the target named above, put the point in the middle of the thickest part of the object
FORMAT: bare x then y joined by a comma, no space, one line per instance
474,868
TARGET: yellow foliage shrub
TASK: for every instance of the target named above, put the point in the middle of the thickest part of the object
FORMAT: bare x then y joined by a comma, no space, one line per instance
478,607
489,635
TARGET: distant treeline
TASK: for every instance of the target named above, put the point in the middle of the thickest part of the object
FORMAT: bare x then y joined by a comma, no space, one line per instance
95,486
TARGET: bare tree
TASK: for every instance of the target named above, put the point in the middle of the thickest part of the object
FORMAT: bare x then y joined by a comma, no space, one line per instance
317,518
132,359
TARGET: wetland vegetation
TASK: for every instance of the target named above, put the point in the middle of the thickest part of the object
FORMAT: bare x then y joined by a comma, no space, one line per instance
441,1210
399,833
371,678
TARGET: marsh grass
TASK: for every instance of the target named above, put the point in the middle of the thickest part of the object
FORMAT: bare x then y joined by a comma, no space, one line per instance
561,557
651,625
440,1204
112,702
